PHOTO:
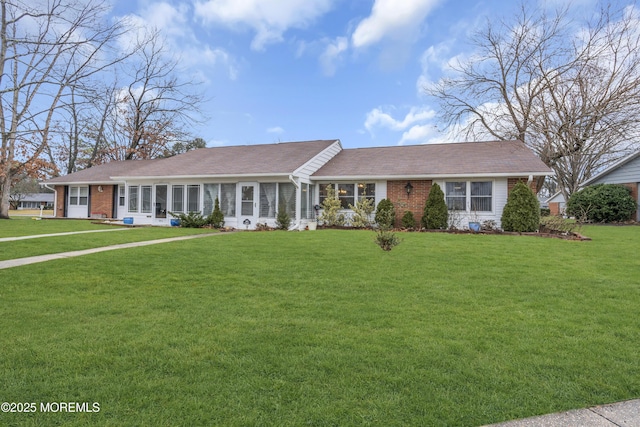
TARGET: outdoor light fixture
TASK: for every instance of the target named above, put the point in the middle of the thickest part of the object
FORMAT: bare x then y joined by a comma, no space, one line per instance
408,187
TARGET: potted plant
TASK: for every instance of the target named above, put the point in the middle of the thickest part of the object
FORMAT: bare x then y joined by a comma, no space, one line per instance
474,222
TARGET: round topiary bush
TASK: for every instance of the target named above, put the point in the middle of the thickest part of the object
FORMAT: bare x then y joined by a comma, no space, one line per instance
435,215
602,203
522,211
408,221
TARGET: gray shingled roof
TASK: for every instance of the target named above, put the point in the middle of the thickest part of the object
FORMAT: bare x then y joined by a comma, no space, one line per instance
460,159
262,159
101,174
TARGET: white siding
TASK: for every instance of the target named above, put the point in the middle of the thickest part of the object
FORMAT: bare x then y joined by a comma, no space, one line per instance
306,170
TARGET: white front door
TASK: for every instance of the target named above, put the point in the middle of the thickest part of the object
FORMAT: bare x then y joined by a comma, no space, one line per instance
160,206
248,205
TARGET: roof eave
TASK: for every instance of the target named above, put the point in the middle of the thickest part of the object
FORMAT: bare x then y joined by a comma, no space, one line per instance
217,176
428,176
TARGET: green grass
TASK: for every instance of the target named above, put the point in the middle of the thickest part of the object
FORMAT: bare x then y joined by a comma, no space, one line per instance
57,244
324,328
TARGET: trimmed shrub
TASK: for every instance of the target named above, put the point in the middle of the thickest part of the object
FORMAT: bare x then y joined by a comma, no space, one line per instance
408,221
385,214
435,215
191,219
216,218
602,203
522,211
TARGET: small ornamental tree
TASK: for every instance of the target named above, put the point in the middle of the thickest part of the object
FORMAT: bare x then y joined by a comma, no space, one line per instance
331,206
216,217
362,212
385,214
435,215
522,211
602,203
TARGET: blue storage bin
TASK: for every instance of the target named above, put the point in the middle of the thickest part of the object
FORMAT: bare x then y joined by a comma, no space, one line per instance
128,220
175,222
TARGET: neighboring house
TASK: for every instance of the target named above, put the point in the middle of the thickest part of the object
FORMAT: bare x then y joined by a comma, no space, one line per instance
252,181
624,172
35,201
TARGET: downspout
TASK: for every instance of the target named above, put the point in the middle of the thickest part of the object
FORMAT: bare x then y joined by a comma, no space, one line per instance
55,197
297,223
529,181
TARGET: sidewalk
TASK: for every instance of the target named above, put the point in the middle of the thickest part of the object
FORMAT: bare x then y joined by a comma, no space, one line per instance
621,414
42,258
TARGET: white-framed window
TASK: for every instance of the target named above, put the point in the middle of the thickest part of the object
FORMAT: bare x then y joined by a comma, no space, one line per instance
210,194
177,198
474,196
287,198
146,199
268,198
193,198
348,193
122,195
78,196
228,199
133,198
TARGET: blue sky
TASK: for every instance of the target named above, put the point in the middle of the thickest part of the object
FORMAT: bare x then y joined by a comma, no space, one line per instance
295,70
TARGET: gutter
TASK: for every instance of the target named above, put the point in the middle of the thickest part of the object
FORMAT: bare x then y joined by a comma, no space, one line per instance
295,226
55,198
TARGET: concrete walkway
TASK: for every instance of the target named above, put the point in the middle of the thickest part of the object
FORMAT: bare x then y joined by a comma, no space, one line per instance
42,258
622,414
37,236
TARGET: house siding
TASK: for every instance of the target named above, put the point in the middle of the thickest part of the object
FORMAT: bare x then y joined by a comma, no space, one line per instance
627,173
309,168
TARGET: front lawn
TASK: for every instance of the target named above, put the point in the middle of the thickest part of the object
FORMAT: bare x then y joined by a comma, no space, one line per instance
324,328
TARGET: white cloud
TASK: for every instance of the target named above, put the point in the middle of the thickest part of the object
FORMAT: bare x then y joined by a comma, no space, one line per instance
332,55
275,129
379,118
420,133
392,18
269,20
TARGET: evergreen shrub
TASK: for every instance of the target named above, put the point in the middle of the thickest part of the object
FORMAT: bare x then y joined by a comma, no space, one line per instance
385,214
602,203
522,211
435,215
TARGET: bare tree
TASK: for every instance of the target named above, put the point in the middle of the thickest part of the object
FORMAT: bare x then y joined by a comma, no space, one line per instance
45,48
153,107
570,92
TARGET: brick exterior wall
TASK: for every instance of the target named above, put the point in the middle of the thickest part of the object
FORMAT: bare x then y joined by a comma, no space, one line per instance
59,213
511,182
101,201
414,202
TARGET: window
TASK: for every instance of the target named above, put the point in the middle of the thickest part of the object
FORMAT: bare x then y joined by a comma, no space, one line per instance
133,199
193,198
456,196
323,191
346,193
477,195
122,195
210,195
268,206
228,199
177,198
306,206
287,198
367,191
146,198
481,196
79,196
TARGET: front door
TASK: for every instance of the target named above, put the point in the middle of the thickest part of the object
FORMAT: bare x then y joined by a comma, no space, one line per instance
248,206
160,211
